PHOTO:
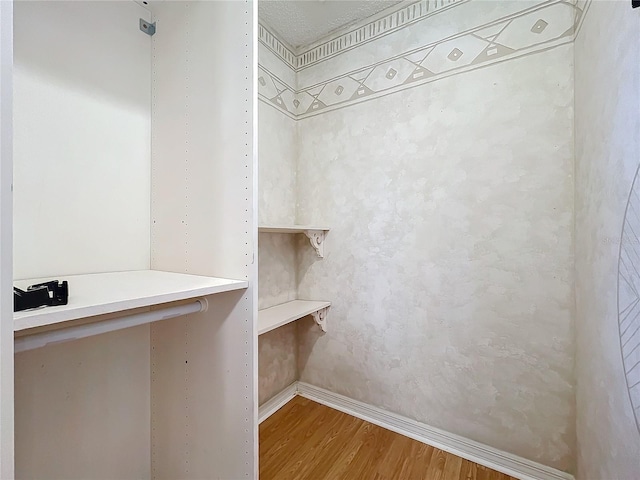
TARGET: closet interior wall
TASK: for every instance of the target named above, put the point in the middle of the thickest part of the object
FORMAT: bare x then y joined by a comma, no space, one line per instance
135,152
440,153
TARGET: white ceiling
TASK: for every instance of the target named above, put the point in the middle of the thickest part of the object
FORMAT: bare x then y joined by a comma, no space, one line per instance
301,22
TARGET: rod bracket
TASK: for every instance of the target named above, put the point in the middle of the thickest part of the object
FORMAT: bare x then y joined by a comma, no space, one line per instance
204,304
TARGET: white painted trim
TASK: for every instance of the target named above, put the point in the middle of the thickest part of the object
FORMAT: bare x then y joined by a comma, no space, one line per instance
276,403
490,457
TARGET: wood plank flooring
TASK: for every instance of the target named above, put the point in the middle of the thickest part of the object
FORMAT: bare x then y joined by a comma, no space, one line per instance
306,440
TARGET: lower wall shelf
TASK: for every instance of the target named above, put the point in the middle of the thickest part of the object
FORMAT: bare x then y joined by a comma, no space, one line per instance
274,317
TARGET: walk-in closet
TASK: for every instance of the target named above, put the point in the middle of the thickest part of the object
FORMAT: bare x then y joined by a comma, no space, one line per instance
468,167
320,239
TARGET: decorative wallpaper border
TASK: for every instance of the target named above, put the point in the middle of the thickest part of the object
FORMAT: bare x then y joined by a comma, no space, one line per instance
277,46
374,29
358,35
531,31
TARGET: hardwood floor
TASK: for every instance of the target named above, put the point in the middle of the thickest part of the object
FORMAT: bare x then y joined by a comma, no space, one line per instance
306,440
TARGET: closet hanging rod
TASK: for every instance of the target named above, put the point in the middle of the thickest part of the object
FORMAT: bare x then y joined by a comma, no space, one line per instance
37,340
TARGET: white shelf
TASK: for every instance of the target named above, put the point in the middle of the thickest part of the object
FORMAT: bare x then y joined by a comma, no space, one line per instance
101,293
289,228
316,235
274,317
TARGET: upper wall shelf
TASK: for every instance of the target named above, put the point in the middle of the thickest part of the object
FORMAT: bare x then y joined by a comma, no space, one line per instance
102,293
316,235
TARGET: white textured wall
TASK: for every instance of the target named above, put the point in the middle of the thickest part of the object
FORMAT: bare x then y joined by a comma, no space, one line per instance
82,131
277,150
76,419
607,103
277,361
449,263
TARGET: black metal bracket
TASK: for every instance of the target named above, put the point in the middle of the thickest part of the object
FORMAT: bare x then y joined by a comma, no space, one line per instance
43,294
635,3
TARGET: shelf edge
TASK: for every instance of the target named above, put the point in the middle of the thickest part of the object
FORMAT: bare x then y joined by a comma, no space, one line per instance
48,318
319,314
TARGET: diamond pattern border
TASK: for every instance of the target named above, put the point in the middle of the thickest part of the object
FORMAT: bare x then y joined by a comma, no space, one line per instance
521,34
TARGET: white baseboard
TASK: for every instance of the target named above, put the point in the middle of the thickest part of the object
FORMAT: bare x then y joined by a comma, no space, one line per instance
504,462
271,406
